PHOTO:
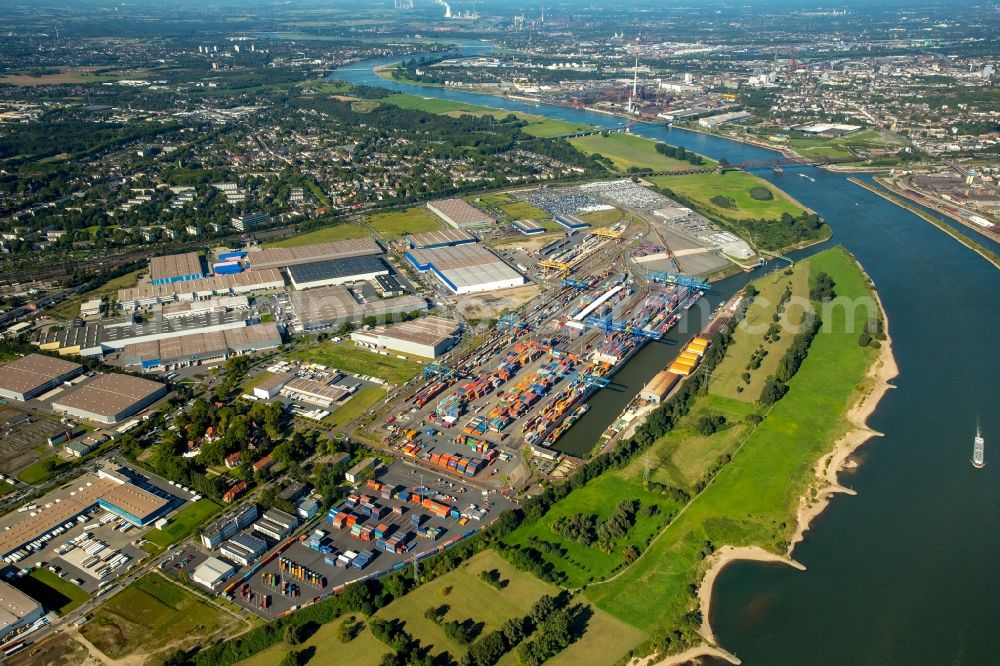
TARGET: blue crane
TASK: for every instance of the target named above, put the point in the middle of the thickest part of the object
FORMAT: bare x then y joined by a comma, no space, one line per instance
441,371
681,280
576,284
590,380
510,322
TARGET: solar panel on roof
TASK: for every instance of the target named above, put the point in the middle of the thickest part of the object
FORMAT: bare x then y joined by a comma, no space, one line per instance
337,268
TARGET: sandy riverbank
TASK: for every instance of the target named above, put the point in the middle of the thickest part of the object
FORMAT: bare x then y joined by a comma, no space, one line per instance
880,372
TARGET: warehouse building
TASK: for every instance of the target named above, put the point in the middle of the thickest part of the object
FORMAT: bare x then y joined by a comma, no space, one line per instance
571,223
460,214
17,610
271,386
108,488
327,307
201,348
529,227
212,573
352,475
76,340
442,238
388,286
658,387
228,525
214,304
337,271
136,505
283,257
175,268
276,524
109,398
466,269
32,375
428,337
148,295
322,394
244,549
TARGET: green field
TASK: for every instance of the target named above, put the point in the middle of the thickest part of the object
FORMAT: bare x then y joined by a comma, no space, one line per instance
736,185
183,523
469,598
539,126
36,472
250,384
603,218
52,592
356,406
753,500
398,223
336,232
749,336
358,361
70,308
551,127
508,209
628,150
365,650
154,614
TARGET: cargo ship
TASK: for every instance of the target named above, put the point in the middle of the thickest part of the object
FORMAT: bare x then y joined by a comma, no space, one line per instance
978,449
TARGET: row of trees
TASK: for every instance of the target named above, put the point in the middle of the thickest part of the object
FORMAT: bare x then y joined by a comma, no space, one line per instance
679,153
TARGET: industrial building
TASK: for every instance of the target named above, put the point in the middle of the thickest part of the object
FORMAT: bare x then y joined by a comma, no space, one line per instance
276,524
201,348
272,385
32,375
388,286
466,269
244,549
214,304
428,337
148,295
109,398
110,489
92,308
327,307
571,223
337,271
460,214
322,393
658,387
352,475
17,610
442,238
175,268
283,257
228,525
528,227
212,573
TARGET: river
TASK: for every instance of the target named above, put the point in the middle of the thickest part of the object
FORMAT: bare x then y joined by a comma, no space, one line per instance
905,572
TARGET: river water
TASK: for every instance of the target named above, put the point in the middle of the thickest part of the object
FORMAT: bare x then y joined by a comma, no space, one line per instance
906,571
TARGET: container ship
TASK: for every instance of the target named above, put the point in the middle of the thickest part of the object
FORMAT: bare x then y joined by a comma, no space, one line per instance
978,450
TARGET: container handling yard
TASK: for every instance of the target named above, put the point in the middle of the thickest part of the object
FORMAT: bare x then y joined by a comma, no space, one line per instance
529,383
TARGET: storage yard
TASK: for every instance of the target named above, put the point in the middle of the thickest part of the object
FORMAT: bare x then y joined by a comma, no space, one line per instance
405,514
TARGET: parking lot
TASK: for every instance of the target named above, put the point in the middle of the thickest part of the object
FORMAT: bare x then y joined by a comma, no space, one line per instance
287,585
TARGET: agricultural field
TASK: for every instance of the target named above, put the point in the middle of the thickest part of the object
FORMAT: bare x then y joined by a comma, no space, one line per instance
753,499
335,232
628,150
364,399
52,592
153,615
358,361
398,223
734,186
603,218
183,523
751,335
584,564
